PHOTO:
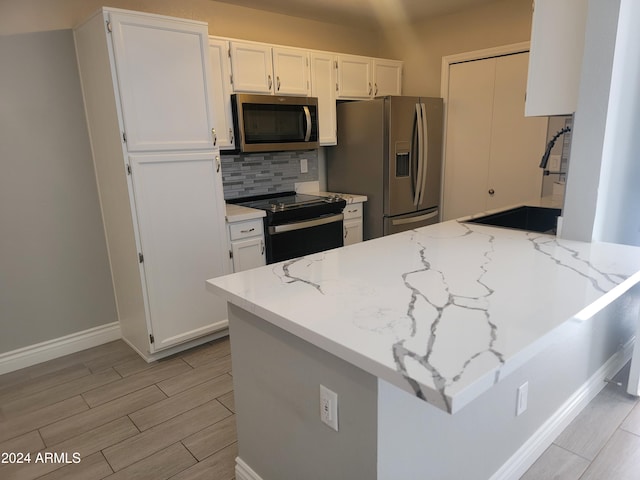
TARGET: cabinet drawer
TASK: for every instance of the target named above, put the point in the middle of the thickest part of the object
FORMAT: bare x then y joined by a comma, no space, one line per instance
352,211
247,229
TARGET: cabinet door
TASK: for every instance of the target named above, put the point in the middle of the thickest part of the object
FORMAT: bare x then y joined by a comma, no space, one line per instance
557,46
354,77
162,69
387,76
180,217
323,86
291,71
468,137
517,142
248,253
352,231
252,67
220,82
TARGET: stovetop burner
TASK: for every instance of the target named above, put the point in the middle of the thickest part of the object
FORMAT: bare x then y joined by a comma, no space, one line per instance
289,206
283,201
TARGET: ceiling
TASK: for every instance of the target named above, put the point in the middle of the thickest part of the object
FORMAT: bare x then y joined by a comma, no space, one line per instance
375,13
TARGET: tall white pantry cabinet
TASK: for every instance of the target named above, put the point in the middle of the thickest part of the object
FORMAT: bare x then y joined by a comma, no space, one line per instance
145,82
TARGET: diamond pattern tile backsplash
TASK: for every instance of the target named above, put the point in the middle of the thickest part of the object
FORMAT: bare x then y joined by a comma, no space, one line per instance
259,173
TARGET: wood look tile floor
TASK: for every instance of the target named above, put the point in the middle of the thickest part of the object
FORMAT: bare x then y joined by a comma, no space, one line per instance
127,419
175,419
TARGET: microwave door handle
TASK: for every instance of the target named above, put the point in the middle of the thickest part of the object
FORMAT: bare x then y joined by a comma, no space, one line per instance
307,116
424,150
418,179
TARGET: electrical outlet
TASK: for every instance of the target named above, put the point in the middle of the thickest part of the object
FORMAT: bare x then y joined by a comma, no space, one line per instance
521,398
554,163
329,407
304,165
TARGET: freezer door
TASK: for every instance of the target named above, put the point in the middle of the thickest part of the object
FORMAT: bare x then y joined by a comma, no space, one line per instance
402,223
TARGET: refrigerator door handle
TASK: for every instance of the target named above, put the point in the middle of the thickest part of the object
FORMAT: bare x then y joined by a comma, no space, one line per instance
418,179
424,150
420,218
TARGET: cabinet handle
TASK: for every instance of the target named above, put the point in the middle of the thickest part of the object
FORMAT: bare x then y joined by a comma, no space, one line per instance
375,92
369,88
217,163
247,231
346,232
231,135
270,81
261,247
215,137
491,191
278,82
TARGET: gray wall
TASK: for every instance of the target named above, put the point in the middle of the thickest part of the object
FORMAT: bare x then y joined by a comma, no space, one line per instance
617,216
590,120
276,381
54,272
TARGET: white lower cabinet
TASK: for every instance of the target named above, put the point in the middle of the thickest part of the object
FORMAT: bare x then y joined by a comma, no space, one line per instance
176,208
352,223
246,244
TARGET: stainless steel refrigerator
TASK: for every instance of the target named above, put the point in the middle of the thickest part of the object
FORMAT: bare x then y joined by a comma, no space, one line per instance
390,149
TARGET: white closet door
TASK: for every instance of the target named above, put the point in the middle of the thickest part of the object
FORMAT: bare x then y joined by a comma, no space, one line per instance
468,140
517,142
162,70
183,240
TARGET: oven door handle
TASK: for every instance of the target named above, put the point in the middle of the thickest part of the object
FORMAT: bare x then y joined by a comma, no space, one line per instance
290,227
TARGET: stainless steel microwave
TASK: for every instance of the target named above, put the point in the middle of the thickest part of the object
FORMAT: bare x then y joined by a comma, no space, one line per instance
268,123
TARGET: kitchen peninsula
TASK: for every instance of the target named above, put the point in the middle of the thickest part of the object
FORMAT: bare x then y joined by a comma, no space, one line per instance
426,337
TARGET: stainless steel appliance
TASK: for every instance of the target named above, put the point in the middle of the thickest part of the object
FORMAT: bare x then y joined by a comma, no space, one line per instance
268,123
390,149
298,224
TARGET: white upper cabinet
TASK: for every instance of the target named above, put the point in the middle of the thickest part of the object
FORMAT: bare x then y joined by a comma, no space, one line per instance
220,81
365,77
162,59
291,71
555,63
355,77
260,68
387,77
323,86
251,67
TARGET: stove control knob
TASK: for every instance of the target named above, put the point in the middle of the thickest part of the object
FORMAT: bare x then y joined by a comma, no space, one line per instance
274,207
281,206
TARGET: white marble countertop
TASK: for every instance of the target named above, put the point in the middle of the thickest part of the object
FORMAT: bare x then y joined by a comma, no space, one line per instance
239,213
443,311
349,197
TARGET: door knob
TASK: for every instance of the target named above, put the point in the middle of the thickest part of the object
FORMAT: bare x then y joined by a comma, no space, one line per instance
491,191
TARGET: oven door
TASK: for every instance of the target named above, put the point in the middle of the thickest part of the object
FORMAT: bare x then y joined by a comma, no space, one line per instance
296,239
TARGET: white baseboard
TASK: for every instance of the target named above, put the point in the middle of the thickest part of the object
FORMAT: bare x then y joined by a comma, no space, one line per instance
58,347
244,471
526,455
